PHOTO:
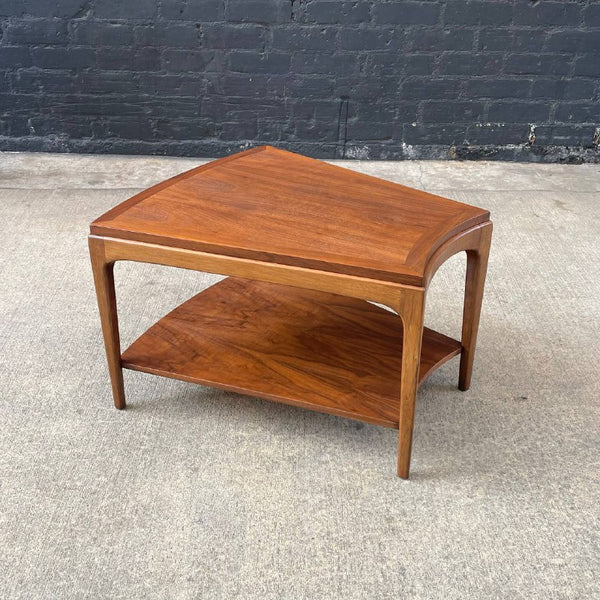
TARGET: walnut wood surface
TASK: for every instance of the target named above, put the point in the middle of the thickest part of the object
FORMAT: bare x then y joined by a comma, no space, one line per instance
107,307
477,260
275,206
313,349
297,233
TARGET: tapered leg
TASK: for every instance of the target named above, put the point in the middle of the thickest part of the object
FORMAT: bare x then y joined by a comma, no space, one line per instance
477,260
412,313
107,305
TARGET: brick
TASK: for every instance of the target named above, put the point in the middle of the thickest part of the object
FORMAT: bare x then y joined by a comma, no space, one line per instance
179,107
128,59
575,41
240,116
434,134
459,12
310,86
37,31
573,135
186,60
265,108
136,128
547,13
184,129
378,63
167,84
498,88
316,130
369,113
419,64
251,62
42,82
270,131
440,39
591,15
548,88
407,112
12,8
315,109
248,86
571,89
103,82
452,111
330,109
565,135
406,13
119,9
260,86
503,39
366,88
234,111
578,112
225,36
245,130
303,37
64,58
334,64
204,11
361,131
73,126
57,8
16,104
335,12
82,105
258,11
519,112
13,57
587,66
101,33
456,63
538,64
430,89
372,38
497,134
15,126
169,35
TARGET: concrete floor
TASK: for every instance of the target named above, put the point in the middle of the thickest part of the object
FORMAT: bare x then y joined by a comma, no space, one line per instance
196,493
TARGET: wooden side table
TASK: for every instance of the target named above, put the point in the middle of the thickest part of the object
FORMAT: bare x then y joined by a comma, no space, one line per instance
305,244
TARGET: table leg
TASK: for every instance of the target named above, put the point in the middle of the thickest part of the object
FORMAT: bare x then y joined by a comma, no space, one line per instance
412,312
477,260
107,305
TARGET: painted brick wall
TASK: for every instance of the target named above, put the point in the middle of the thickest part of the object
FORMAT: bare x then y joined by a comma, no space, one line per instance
507,79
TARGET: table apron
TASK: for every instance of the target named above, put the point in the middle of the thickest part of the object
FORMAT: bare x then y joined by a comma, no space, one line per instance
391,294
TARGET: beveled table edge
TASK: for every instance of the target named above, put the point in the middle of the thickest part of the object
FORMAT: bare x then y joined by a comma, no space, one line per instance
411,274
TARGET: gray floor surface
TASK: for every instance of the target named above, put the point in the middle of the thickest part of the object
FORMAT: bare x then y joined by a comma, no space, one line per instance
196,493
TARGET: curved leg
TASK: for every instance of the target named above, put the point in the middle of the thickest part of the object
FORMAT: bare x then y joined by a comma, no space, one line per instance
107,305
412,311
477,260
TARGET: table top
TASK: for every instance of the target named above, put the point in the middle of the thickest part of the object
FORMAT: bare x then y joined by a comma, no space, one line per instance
272,205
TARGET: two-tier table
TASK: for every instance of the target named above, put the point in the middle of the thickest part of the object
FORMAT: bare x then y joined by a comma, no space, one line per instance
306,246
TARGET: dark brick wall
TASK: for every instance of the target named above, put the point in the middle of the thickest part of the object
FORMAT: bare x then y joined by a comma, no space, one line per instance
508,79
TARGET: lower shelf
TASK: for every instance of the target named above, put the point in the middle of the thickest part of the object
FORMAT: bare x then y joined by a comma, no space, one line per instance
311,349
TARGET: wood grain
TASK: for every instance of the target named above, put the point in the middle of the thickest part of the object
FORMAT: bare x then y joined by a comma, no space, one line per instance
271,205
307,245
311,349
477,260
411,307
384,292
107,306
